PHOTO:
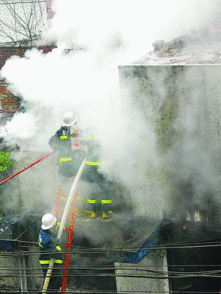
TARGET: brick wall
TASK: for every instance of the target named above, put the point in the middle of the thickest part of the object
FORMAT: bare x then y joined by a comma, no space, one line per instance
10,103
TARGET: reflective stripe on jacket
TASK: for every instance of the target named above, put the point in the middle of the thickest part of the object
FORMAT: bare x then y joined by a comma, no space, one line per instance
106,201
91,201
48,261
48,248
96,163
63,159
64,137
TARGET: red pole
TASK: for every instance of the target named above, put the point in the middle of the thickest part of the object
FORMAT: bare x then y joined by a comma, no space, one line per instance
33,163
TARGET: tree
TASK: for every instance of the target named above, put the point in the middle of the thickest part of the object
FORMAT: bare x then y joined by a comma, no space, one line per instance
22,21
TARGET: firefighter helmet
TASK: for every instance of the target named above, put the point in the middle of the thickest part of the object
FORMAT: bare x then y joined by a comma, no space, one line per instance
48,220
69,118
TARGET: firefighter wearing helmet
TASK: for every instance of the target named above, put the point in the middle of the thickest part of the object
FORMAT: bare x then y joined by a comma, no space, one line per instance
72,151
67,141
49,248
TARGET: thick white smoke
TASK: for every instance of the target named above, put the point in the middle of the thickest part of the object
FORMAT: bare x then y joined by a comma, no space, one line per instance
85,80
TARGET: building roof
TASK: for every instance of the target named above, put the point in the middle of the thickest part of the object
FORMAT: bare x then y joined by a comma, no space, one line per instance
201,47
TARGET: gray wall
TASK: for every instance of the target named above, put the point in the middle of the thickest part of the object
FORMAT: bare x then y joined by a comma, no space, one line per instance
181,106
35,189
155,261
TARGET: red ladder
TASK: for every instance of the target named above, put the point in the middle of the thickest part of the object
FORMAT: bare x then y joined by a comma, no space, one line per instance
70,235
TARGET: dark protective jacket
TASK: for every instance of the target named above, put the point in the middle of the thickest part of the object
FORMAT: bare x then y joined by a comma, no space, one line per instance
64,140
70,160
49,248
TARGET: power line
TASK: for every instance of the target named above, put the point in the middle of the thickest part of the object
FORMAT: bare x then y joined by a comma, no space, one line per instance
132,272
108,268
80,250
72,291
201,243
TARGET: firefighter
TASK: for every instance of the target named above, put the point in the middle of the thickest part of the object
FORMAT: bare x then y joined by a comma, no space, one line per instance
99,201
49,248
67,141
72,151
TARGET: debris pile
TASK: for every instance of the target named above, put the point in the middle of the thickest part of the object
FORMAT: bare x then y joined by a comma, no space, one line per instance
196,48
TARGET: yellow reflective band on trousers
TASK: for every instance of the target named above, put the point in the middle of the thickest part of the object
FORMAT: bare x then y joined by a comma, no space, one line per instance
48,261
91,201
64,137
106,201
96,162
63,159
40,245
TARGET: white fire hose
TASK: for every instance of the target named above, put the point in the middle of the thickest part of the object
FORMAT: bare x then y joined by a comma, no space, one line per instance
61,227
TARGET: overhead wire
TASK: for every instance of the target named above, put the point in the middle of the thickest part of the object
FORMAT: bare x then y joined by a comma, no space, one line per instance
83,250
93,291
132,272
72,291
111,267
124,271
175,244
135,272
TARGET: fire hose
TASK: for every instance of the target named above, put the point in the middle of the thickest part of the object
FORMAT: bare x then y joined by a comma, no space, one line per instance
63,219
30,165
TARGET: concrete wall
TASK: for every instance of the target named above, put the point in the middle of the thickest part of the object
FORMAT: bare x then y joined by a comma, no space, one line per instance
142,281
181,105
20,271
9,272
35,189
35,277
160,92
30,194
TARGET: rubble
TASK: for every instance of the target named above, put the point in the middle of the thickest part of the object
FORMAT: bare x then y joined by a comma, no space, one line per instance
196,48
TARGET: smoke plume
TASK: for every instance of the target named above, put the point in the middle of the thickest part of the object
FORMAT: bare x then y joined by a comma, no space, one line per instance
84,79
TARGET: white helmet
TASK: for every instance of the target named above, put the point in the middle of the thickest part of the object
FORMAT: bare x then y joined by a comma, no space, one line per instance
48,220
69,118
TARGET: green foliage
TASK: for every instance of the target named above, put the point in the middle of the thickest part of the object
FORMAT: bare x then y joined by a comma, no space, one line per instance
5,162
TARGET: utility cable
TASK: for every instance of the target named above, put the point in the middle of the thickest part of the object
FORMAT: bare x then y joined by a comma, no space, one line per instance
132,273
72,291
112,268
134,250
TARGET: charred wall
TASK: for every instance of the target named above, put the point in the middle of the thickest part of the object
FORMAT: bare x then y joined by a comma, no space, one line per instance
181,104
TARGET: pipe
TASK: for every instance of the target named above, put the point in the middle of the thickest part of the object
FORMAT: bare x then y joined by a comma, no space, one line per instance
22,274
30,165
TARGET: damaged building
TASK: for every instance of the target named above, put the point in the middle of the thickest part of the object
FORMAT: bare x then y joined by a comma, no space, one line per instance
177,89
